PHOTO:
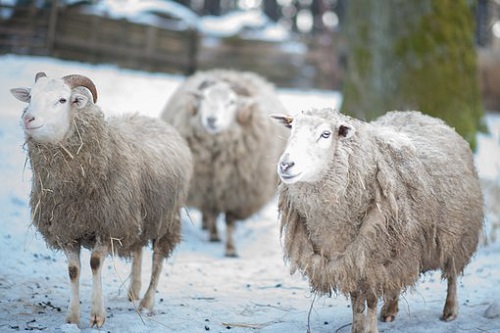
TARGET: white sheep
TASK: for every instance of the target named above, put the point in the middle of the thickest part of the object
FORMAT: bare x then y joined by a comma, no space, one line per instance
224,116
366,207
106,185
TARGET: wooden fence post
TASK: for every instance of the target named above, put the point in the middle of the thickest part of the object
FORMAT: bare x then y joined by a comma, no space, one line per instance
52,28
192,65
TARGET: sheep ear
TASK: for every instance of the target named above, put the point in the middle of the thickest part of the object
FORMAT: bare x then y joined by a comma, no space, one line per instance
346,131
245,110
39,75
239,89
79,99
283,119
195,94
193,102
22,94
205,84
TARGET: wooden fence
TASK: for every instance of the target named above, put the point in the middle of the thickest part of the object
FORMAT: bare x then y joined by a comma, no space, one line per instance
74,34
71,33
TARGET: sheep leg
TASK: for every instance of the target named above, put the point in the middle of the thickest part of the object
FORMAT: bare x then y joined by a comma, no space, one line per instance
230,225
358,308
390,308
450,310
149,297
97,314
210,220
371,301
135,282
161,249
74,268
204,223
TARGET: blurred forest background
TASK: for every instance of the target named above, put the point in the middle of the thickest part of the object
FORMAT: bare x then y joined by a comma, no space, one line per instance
438,56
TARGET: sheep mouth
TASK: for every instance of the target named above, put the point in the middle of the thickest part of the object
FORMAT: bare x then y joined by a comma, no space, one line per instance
212,129
32,128
287,178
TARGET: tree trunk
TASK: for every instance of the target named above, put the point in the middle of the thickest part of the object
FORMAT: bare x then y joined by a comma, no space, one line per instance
413,55
211,7
272,10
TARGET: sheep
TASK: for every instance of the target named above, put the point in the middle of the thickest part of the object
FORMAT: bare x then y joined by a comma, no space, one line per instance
365,208
110,186
224,116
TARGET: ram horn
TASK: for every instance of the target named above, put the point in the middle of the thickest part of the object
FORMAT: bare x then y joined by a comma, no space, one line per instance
77,80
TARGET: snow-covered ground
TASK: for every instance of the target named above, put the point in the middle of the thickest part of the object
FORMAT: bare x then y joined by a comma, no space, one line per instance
200,289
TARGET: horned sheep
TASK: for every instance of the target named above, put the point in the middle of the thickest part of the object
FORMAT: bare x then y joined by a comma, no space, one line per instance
107,185
225,117
366,207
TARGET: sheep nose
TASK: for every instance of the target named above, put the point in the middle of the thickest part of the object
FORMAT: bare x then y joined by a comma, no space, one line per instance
211,120
28,119
285,165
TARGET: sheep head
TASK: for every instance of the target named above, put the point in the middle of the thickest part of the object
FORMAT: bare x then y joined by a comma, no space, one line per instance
314,137
52,103
219,104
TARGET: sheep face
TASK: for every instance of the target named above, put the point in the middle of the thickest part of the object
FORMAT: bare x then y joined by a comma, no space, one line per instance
218,107
49,113
311,146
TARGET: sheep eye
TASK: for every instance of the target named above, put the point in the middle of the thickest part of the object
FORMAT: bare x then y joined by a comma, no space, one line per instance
326,134
62,100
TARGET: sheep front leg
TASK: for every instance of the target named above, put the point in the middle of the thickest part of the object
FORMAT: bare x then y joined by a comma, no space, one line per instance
450,311
230,225
358,309
97,314
74,268
135,280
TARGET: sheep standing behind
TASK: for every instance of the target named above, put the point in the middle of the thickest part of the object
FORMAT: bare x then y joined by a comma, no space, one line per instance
104,185
224,116
366,207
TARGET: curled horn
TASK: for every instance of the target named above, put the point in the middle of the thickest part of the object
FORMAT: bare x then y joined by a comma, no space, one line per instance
39,75
77,80
284,119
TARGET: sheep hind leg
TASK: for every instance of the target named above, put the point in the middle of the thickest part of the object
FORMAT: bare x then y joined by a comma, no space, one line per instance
210,221
358,309
390,308
135,279
97,314
230,226
161,250
74,268
450,311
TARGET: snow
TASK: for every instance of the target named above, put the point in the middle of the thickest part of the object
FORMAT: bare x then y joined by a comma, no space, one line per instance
145,11
251,24
200,290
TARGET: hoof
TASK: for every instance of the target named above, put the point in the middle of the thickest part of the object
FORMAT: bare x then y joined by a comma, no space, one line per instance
389,311
73,319
388,319
231,254
448,316
132,296
214,238
97,320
